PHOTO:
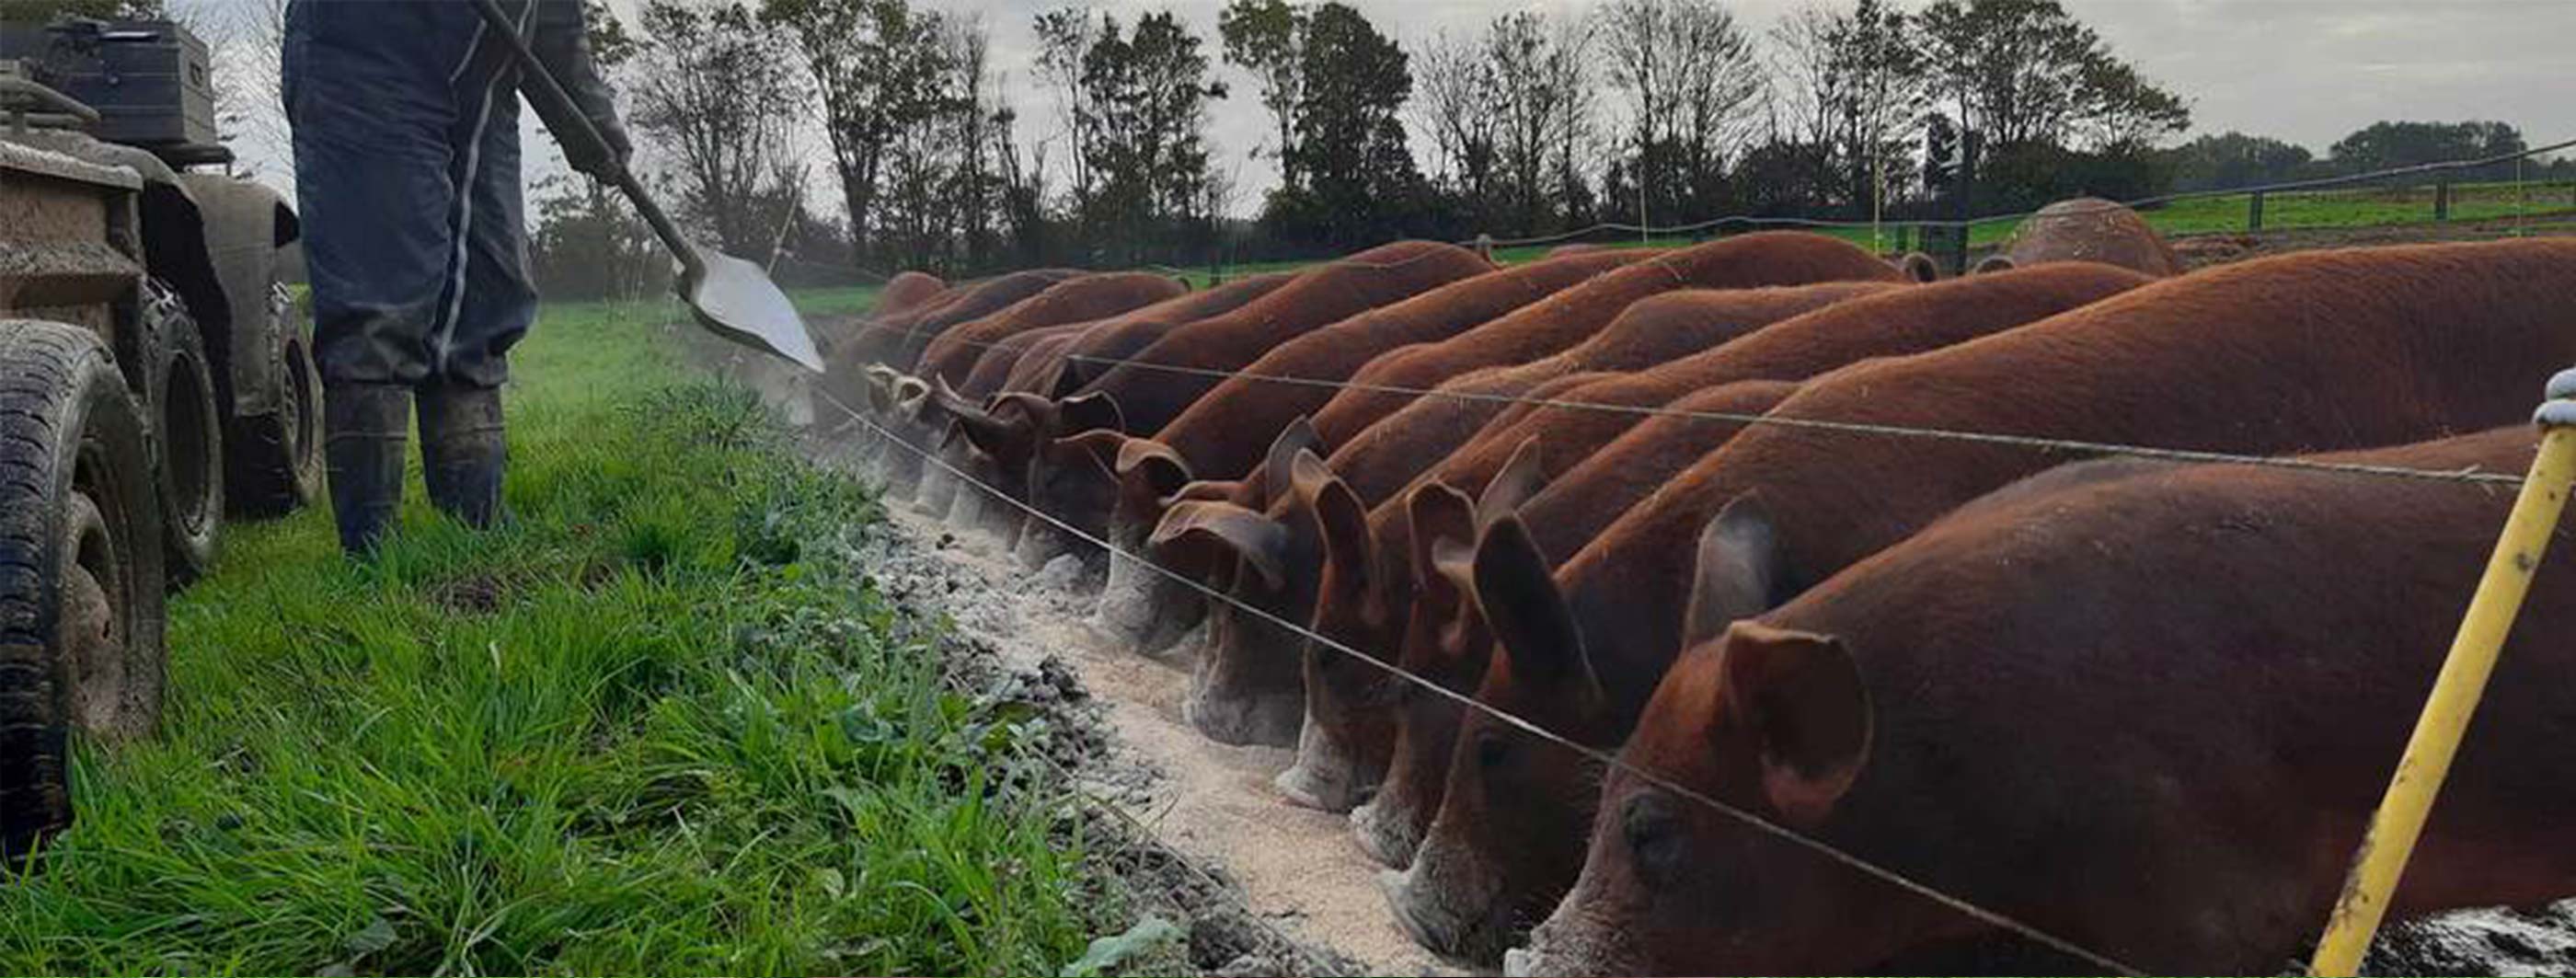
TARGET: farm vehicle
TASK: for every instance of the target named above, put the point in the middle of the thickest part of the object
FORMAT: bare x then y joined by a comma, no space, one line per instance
155,377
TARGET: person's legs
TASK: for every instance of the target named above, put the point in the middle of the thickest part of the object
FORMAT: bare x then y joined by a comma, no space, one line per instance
387,102
462,443
372,177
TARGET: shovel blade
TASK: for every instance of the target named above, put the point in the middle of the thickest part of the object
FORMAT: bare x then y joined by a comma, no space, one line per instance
737,301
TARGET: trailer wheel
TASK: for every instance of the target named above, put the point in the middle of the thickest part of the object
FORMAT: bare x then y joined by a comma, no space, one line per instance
273,461
80,569
189,435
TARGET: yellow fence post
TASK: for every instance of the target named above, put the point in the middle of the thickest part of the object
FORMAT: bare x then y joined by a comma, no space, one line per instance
2463,679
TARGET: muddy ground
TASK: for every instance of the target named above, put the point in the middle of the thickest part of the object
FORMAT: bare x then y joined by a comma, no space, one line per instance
1266,888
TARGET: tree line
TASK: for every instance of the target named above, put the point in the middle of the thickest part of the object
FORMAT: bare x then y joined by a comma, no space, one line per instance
834,138
2234,159
1644,111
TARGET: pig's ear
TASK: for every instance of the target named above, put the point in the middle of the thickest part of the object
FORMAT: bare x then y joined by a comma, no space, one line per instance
1337,513
905,395
1088,412
1518,480
1993,263
1060,381
1278,466
1800,697
1098,448
1219,490
1259,540
1153,467
1043,414
1919,266
1451,563
1527,614
1437,512
922,404
878,382
1000,434
949,398
1739,570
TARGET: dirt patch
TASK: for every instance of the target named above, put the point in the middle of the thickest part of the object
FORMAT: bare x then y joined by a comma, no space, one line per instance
2538,941
1264,888
478,594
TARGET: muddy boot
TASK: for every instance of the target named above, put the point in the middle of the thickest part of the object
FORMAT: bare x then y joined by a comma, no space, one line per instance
364,429
463,451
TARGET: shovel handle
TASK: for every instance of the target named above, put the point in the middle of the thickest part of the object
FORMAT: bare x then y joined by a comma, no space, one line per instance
554,103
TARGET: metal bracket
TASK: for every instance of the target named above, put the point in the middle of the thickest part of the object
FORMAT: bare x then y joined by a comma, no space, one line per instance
2560,410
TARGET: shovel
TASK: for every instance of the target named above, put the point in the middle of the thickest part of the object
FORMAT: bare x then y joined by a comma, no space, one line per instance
733,298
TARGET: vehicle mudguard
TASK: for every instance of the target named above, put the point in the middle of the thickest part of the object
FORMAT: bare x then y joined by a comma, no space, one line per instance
243,225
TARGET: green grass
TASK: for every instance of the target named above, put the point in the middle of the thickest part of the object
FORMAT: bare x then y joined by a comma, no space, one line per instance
2356,207
658,725
839,300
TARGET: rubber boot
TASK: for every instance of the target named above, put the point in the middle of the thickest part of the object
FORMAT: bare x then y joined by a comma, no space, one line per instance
364,429
463,452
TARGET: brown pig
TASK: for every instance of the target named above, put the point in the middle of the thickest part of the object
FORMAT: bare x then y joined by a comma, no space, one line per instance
1387,455
1359,729
1100,349
952,354
2423,340
1906,321
1561,320
970,303
1210,435
1162,379
905,291
2149,714
1042,368
1222,432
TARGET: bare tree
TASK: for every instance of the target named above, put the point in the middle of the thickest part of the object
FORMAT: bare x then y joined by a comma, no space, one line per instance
975,114
1454,84
877,69
1065,35
1690,84
1540,100
1569,70
716,94
1850,87
244,41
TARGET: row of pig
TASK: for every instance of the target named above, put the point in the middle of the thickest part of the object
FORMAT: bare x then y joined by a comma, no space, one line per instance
1731,511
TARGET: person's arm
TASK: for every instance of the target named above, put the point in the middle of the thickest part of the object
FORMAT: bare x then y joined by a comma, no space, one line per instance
558,34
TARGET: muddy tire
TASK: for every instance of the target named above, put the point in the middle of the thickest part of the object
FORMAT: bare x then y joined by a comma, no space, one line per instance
273,461
188,438
80,569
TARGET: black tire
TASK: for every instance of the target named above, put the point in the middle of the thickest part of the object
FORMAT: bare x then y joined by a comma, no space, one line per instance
188,437
80,569
273,461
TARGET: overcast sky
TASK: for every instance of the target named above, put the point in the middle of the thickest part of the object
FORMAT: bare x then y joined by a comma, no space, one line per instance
2308,71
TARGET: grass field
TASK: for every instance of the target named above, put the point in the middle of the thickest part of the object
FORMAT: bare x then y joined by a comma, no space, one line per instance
658,725
2354,207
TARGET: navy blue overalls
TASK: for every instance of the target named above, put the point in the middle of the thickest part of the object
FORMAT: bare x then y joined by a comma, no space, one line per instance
406,131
